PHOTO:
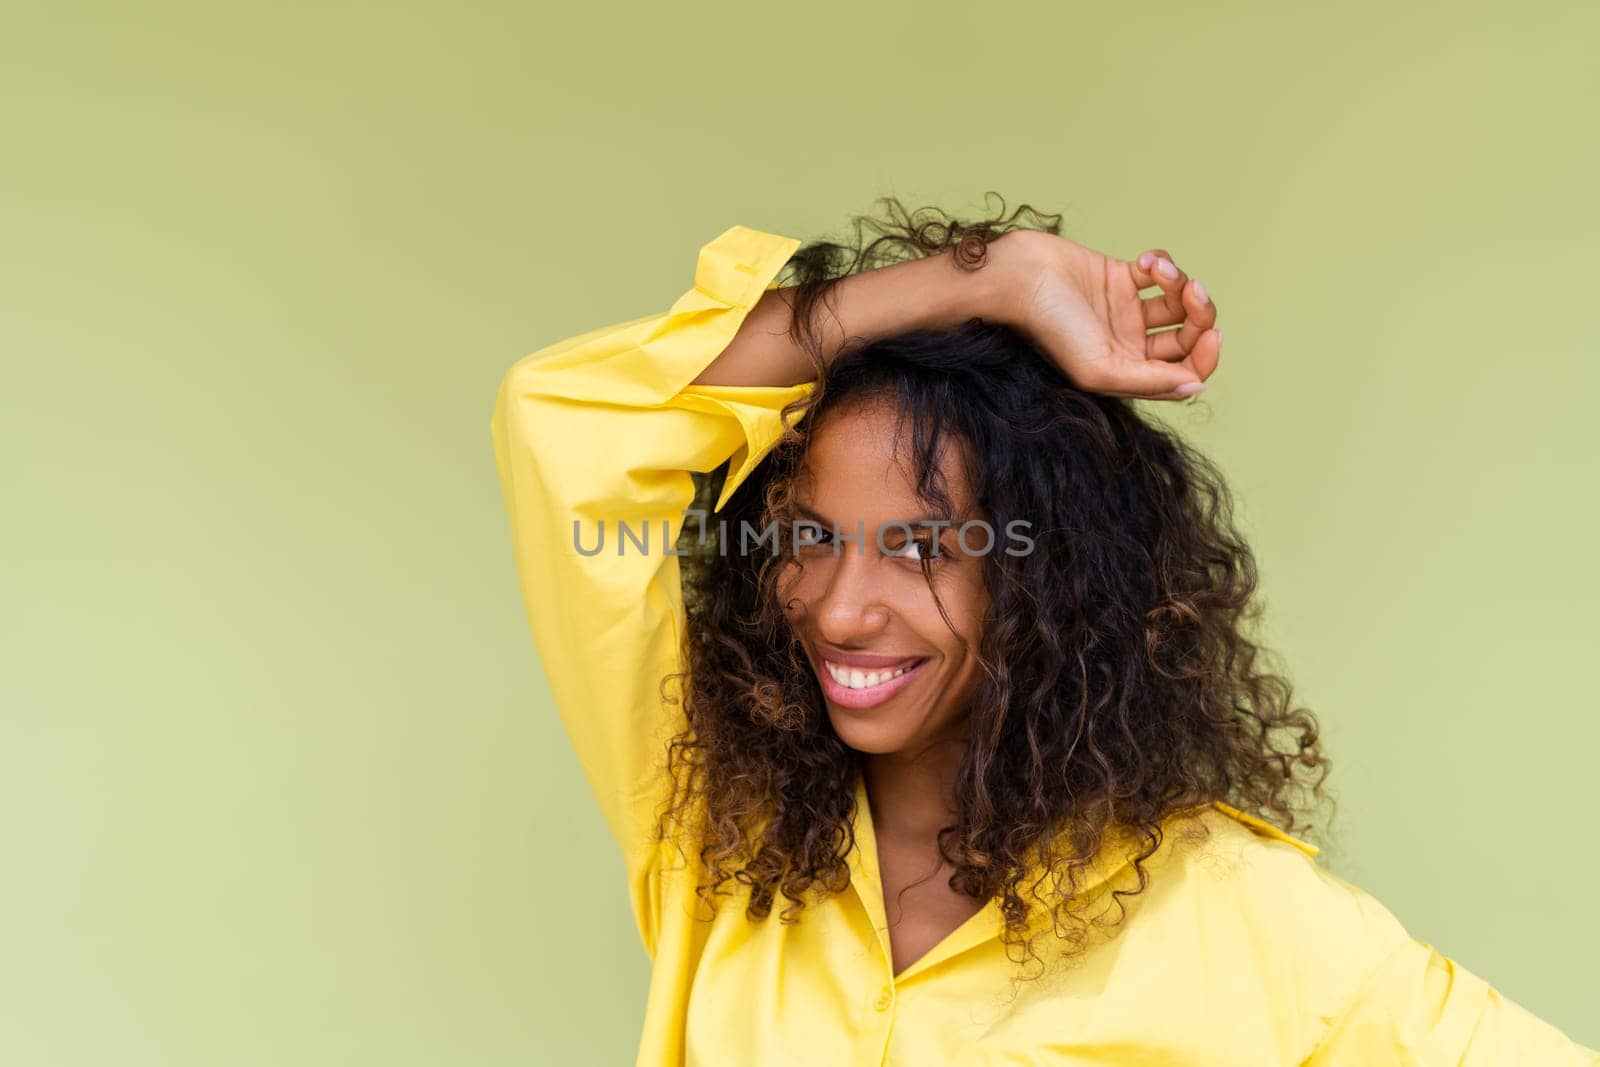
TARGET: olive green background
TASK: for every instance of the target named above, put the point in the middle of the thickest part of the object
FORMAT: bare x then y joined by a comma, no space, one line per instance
281,782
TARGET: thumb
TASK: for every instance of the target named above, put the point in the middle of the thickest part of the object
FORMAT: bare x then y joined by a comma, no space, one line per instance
1148,379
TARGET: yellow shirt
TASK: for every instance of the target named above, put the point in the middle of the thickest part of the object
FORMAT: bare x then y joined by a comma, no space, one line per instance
1242,950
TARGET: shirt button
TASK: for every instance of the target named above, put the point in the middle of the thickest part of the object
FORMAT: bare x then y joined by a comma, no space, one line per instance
884,1000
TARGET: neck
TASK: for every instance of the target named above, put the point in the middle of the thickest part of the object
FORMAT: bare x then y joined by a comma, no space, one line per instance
913,795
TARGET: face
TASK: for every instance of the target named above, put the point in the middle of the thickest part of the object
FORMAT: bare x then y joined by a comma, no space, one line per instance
896,678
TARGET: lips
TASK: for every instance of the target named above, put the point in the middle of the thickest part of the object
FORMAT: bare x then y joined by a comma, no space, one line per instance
837,665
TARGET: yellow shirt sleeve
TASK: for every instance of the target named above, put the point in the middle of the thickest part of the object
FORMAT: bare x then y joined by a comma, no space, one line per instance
1423,1009
1319,963
604,428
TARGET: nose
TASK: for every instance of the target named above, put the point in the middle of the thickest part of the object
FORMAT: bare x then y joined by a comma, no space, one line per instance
851,610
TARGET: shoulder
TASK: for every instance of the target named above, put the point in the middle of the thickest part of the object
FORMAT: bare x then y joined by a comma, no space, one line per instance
1274,880
1239,908
1262,828
1263,891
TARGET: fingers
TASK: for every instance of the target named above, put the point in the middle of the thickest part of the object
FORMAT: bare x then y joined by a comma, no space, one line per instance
1163,311
1187,355
1206,353
1159,380
1151,380
1199,315
1156,267
1201,363
1166,308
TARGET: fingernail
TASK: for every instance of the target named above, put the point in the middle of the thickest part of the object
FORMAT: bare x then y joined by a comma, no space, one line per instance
1200,291
1167,268
1219,338
1146,259
1190,388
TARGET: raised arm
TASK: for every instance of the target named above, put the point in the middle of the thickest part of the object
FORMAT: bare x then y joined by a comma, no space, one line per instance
1082,308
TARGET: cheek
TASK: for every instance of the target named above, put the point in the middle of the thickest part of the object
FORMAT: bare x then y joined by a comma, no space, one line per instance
968,602
979,615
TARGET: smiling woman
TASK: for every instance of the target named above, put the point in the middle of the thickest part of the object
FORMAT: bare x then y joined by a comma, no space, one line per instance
967,755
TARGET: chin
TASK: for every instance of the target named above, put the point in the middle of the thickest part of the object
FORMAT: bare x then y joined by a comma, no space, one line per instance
863,734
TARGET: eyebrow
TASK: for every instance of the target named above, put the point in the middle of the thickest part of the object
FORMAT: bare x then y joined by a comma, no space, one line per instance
831,524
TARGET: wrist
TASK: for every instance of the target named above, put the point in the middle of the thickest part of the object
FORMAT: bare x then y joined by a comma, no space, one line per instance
1000,287
949,295
929,293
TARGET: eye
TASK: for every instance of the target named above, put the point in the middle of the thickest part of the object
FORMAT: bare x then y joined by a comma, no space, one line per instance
811,535
917,550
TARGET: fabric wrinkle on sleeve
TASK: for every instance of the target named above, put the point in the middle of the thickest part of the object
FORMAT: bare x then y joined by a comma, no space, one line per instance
1421,1008
606,427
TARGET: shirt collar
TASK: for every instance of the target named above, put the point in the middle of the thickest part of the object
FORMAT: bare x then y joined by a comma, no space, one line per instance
1115,856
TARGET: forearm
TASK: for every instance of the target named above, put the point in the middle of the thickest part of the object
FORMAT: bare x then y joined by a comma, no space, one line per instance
929,294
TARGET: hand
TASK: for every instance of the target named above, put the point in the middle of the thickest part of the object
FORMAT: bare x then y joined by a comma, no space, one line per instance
1084,310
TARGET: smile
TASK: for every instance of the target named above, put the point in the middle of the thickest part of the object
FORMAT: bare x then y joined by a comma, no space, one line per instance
853,687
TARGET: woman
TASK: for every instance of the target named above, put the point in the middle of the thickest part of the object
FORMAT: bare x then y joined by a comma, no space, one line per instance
946,742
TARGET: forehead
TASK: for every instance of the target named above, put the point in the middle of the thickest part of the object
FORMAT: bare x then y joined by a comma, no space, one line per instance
863,452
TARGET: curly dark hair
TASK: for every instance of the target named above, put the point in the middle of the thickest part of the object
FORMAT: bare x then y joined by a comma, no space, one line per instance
1121,679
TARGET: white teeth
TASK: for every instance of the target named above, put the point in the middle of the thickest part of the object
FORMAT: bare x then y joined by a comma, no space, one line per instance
851,678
